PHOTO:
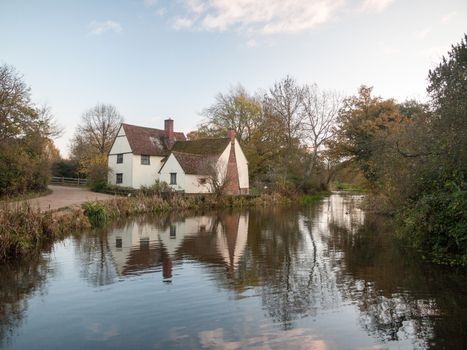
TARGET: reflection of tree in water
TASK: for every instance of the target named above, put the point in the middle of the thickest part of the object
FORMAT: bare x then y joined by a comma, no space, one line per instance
398,295
283,256
18,281
95,259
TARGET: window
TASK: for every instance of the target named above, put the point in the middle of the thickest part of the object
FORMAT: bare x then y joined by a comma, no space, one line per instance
173,231
119,178
173,178
202,181
145,159
118,242
120,158
144,243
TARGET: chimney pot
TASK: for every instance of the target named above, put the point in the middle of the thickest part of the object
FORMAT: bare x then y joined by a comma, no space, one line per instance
169,132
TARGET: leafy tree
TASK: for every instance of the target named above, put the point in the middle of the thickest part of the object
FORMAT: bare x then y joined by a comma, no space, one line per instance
17,113
365,123
65,168
435,218
242,112
415,155
26,133
236,110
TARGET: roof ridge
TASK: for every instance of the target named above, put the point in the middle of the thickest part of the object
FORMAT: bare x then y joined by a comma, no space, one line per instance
190,154
142,127
206,138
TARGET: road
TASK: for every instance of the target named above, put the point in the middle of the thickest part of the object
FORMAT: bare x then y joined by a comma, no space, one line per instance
63,196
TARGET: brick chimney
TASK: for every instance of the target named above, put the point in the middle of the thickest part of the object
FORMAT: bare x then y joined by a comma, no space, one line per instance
169,132
231,134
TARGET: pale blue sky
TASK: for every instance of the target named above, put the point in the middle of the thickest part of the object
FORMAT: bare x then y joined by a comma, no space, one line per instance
154,59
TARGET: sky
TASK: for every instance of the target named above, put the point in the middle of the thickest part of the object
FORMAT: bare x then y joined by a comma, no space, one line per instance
155,59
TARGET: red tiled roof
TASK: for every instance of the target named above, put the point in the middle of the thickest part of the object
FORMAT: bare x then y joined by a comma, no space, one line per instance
197,157
196,164
149,141
202,146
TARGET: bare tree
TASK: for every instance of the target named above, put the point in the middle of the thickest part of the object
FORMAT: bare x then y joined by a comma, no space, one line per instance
218,177
321,109
46,123
99,126
284,103
94,135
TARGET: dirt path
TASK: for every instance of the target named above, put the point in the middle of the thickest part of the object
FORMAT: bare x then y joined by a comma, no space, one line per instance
63,196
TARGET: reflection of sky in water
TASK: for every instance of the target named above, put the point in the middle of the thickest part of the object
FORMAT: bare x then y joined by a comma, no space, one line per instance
324,277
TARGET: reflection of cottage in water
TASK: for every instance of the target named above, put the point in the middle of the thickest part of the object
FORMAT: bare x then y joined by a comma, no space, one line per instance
141,246
232,238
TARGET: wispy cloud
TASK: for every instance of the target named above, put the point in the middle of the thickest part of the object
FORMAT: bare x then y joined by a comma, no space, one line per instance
196,6
182,23
98,28
262,16
375,5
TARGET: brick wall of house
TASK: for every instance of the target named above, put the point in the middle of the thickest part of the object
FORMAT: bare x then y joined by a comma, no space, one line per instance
233,185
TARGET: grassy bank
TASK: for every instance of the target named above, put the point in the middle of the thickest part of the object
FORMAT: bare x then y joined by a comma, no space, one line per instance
24,230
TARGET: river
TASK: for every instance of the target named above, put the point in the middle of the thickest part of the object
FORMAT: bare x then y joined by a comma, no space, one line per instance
326,276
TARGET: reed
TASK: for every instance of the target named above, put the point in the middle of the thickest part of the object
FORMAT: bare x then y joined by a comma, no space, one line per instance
24,229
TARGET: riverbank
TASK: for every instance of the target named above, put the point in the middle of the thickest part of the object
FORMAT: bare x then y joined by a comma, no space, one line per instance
24,229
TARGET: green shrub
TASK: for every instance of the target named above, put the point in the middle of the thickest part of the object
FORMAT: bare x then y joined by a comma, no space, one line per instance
157,189
437,224
97,177
311,198
96,212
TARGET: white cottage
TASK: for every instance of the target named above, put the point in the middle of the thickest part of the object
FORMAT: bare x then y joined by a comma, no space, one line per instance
139,156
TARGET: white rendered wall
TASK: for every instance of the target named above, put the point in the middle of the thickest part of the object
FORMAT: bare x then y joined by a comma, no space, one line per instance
121,146
192,184
221,165
171,166
185,182
145,175
242,166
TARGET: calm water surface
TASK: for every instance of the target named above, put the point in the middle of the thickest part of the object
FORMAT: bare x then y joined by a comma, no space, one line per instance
322,277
